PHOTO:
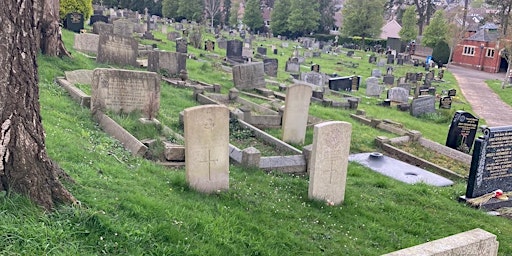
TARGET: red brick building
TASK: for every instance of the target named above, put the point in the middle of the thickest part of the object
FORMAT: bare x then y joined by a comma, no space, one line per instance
481,51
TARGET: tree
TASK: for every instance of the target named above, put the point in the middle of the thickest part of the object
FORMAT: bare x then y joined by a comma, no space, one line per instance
279,16
252,16
25,167
363,18
212,8
441,53
437,31
409,29
303,18
170,8
50,41
424,9
233,16
504,8
326,10
190,9
81,6
225,12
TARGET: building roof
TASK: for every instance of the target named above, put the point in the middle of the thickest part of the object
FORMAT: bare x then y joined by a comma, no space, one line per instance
487,33
391,29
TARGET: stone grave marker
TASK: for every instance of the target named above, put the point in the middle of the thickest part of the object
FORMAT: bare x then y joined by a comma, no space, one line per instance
178,26
341,83
116,49
372,59
123,27
315,68
312,78
390,59
169,62
164,29
97,18
172,36
270,67
351,53
376,73
182,45
209,45
398,94
249,76
234,50
462,131
406,86
125,91
207,148
430,75
410,77
329,161
102,28
440,74
295,117
284,45
261,50
316,54
388,79
423,105
292,66
372,87
247,52
452,92
222,43
74,22
356,81
86,43
308,54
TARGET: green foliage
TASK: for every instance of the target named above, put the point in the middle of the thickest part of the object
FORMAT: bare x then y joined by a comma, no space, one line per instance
326,10
236,131
441,53
190,9
81,6
252,16
409,29
170,8
279,24
304,17
437,31
363,18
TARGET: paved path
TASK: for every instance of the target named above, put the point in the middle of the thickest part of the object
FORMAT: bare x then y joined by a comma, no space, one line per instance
485,103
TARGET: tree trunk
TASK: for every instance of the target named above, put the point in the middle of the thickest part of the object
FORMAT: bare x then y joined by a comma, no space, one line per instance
25,167
51,41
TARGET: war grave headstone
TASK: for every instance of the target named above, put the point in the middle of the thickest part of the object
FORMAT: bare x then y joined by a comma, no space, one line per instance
315,68
462,131
222,43
292,66
102,28
372,87
376,73
86,43
207,148
170,62
270,67
341,83
491,168
398,94
97,18
312,78
249,76
445,102
234,50
329,161
209,45
123,27
261,50
124,91
74,22
295,117
116,49
423,105
182,45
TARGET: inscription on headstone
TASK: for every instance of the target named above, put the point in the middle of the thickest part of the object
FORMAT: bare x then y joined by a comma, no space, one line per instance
116,49
249,76
295,117
462,131
270,67
423,105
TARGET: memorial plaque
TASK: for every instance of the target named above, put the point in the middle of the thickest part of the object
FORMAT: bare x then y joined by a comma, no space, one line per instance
462,131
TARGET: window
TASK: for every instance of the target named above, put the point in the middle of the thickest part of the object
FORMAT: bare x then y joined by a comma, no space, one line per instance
489,53
469,50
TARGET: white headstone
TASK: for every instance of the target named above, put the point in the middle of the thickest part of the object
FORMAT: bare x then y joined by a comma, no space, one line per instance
295,118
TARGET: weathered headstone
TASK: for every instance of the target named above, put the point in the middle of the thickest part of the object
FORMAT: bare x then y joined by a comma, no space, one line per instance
171,63
462,131
388,79
261,50
222,43
407,87
295,117
270,67
102,28
372,59
97,18
249,76
74,22
376,73
247,52
172,36
80,76
116,49
234,50
390,59
292,66
123,27
312,78
178,26
182,45
207,148
125,91
372,87
86,43
423,105
329,161
398,94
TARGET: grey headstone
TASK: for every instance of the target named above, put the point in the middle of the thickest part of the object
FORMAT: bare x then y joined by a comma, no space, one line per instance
123,27
86,43
398,94
270,67
249,76
372,87
170,62
116,49
423,105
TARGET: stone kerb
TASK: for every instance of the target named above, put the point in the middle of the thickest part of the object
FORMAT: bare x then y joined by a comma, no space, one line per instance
207,147
329,161
86,43
124,91
249,76
295,118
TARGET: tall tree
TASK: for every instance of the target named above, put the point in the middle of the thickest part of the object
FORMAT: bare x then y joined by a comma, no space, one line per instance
190,9
279,17
212,8
225,12
326,10
363,18
50,41
304,17
252,15
25,167
409,29
170,8
437,31
456,32
424,9
504,8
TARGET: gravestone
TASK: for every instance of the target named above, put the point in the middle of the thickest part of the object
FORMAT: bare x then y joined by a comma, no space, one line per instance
102,28
356,81
247,52
376,73
400,61
410,77
125,91
389,79
164,29
207,148
312,78
440,74
123,27
390,59
222,43
398,94
74,22
308,54
351,53
430,75
178,26
462,131
407,87
341,83
284,45
181,45
262,51
372,59
116,49
209,45
249,76
234,50
452,92
169,63
86,43
97,18
270,67
329,161
317,54
172,36
292,67
423,105
80,76
315,68
372,87
295,117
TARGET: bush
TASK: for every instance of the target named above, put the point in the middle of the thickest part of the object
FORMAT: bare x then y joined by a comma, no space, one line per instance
441,53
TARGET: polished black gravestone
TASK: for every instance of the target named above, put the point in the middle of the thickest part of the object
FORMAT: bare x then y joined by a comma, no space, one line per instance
74,22
491,166
445,102
462,131
345,83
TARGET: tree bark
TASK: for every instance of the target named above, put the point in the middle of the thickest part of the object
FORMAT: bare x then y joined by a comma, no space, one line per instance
25,167
51,41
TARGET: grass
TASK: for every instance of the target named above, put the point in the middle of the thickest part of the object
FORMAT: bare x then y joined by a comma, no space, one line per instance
503,93
131,206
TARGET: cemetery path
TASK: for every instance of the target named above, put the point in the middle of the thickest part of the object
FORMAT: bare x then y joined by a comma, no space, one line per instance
485,103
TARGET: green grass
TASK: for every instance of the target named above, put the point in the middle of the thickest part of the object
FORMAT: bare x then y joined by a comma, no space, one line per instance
131,206
503,93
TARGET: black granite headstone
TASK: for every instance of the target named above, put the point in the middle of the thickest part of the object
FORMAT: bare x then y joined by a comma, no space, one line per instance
452,92
341,83
96,18
445,102
74,22
234,50
462,131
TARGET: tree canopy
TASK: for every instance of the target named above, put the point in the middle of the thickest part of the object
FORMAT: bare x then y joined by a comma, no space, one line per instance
279,24
437,31
303,17
363,18
409,29
252,16
81,6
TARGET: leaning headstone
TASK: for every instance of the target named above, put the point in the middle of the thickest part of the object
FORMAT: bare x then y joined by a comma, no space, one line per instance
329,161
270,67
169,63
116,49
423,105
249,76
125,91
372,87
295,117
207,148
234,50
86,43
181,45
74,22
462,131
123,27
398,94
